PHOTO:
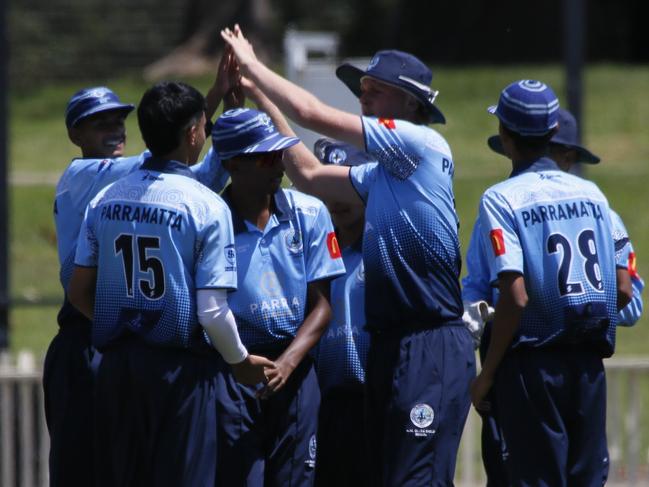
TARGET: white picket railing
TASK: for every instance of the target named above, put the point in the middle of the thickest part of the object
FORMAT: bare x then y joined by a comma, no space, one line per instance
24,441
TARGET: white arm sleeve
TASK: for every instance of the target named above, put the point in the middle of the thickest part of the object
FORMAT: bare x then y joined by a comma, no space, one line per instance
216,317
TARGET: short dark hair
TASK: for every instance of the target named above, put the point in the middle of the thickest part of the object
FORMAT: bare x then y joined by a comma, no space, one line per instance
165,110
532,143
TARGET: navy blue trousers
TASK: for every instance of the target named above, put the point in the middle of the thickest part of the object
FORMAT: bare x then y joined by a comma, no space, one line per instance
417,403
68,384
552,411
267,442
341,460
155,422
494,449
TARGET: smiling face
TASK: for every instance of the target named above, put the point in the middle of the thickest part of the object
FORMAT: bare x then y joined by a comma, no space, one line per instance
101,135
383,100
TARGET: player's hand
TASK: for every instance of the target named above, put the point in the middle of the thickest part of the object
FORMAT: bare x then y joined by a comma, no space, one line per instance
277,378
475,316
225,80
253,370
241,47
479,389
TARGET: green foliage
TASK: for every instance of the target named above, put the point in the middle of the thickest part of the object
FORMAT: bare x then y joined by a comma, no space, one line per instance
614,129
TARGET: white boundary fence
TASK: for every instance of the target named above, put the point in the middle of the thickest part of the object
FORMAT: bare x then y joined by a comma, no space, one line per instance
24,441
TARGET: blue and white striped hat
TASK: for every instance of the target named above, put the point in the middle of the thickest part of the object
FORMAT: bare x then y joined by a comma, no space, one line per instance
527,107
247,131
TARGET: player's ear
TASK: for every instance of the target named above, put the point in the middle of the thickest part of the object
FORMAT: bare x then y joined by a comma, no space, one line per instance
74,136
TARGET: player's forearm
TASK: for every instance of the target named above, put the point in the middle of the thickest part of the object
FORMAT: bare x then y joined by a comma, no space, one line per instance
509,310
297,103
314,325
300,164
213,99
81,290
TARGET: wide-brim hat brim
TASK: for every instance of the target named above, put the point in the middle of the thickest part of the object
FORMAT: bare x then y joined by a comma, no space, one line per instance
351,76
273,143
583,155
105,107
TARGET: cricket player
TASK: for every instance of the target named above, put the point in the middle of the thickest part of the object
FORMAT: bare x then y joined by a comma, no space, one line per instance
341,356
565,150
546,238
287,253
154,262
94,119
411,255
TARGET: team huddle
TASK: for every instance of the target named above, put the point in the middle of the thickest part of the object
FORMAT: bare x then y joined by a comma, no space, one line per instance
221,330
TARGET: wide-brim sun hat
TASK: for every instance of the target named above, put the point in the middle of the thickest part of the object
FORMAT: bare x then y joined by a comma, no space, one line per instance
528,108
566,135
247,131
91,101
399,69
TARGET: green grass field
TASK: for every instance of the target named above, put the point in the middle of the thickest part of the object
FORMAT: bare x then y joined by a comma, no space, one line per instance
616,109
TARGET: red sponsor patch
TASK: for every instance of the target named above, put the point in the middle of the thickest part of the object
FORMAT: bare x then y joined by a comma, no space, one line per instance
633,266
497,241
333,247
388,123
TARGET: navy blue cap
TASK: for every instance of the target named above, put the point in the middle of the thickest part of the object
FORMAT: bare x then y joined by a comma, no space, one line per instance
399,69
331,151
247,131
527,107
93,100
566,135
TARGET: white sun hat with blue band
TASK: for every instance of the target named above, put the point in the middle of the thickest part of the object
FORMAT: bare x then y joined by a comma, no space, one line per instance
247,131
527,107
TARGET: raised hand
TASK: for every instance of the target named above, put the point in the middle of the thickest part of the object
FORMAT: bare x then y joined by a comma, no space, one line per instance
241,47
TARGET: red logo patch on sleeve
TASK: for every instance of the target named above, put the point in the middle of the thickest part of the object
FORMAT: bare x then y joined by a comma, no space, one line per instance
497,241
388,123
633,266
333,247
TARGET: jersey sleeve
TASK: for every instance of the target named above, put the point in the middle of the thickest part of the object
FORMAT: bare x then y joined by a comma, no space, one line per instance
500,242
87,245
216,261
323,254
476,284
620,240
211,172
362,178
630,314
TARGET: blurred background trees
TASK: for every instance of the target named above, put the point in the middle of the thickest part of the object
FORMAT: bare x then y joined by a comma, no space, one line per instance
89,39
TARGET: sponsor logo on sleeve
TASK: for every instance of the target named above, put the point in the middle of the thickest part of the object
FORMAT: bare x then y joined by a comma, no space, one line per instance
633,266
333,247
497,241
388,123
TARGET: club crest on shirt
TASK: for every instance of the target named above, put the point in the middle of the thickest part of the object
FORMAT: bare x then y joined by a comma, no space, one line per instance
422,415
312,452
293,241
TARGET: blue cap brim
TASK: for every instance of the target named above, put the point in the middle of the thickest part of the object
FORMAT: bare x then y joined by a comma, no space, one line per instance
273,143
106,107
